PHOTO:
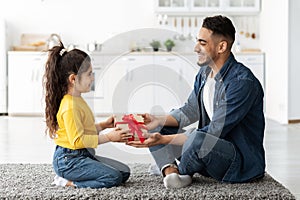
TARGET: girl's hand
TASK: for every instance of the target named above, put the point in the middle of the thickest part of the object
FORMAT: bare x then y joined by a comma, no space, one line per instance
109,123
119,135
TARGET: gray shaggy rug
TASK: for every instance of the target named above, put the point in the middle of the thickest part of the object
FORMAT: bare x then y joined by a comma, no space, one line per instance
32,181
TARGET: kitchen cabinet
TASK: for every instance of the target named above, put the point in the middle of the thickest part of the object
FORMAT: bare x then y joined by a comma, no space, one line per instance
175,81
172,5
154,82
145,82
25,91
255,62
113,77
204,7
94,98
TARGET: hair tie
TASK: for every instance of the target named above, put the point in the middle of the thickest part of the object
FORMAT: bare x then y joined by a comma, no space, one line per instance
61,53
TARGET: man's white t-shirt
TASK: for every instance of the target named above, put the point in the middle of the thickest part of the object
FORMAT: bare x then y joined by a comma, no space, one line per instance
208,96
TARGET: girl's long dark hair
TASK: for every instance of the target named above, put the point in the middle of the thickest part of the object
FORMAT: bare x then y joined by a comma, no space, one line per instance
59,66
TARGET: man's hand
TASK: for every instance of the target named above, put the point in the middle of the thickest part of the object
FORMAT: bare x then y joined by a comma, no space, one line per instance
152,140
152,121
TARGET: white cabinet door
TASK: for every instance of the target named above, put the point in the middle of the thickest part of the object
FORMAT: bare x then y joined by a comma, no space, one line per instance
171,6
94,98
175,77
25,89
255,62
204,7
137,83
131,84
226,6
242,6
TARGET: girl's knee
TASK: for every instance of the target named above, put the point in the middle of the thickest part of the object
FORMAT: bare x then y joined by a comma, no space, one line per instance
114,179
125,176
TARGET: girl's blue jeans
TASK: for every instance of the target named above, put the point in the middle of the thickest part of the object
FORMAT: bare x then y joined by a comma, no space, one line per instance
85,169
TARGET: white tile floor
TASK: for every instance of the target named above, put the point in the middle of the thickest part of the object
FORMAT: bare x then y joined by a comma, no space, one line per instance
22,140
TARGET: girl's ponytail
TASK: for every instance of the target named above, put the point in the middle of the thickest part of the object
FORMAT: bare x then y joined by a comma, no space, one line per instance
55,87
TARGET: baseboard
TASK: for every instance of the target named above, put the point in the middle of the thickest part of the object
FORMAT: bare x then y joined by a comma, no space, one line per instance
294,121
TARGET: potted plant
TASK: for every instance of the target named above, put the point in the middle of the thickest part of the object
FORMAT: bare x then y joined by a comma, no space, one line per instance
169,44
155,44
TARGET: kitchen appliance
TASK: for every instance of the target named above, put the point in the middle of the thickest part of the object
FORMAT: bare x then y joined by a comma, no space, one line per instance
3,68
53,40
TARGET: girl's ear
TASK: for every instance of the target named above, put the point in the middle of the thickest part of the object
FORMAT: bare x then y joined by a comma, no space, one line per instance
72,78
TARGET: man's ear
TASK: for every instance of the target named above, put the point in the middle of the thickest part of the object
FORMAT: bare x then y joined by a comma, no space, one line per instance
72,78
223,45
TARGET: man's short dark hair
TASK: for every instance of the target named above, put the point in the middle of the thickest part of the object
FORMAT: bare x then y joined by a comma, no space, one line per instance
220,25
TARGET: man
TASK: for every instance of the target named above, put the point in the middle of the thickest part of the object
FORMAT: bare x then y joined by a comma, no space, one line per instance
227,102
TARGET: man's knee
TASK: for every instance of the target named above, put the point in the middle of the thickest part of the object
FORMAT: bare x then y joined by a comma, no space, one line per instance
169,130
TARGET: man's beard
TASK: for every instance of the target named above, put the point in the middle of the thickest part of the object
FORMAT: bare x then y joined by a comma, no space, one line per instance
206,62
202,64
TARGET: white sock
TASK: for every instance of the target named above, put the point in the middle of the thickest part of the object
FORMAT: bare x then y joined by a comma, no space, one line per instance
154,170
59,181
174,180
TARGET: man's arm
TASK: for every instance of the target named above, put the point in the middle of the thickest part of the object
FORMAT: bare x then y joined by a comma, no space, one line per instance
156,139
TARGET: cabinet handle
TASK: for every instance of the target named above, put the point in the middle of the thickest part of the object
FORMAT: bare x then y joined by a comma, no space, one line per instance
32,75
127,75
129,59
37,59
169,59
180,74
251,59
37,76
131,75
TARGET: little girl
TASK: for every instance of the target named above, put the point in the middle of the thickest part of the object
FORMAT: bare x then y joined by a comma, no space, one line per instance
70,122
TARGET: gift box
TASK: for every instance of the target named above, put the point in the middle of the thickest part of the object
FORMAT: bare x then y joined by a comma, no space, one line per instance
134,123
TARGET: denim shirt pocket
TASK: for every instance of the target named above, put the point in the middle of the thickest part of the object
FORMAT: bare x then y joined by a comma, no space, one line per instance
220,98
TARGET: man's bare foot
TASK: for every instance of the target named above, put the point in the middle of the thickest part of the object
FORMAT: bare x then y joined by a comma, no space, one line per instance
170,170
70,184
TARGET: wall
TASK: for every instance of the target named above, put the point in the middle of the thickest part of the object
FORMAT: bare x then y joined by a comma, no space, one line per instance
274,41
294,60
82,22
280,40
76,21
3,71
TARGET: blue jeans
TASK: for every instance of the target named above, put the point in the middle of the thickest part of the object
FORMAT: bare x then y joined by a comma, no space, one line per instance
85,169
165,154
201,153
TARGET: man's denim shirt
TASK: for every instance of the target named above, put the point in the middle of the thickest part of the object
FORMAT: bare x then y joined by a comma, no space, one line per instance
238,117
